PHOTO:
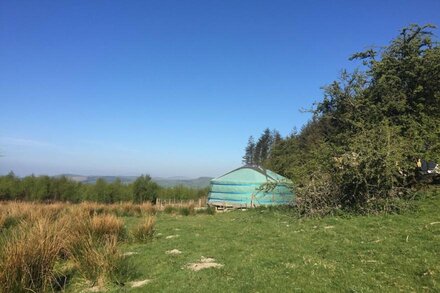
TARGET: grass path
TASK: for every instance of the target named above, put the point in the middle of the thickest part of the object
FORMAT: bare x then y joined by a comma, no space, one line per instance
263,250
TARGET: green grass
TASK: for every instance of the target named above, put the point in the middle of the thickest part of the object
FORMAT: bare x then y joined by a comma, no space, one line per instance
267,250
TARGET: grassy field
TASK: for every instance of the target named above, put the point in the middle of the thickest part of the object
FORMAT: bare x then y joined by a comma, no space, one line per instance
261,250
264,250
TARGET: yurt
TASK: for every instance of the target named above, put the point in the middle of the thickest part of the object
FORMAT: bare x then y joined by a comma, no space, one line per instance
242,187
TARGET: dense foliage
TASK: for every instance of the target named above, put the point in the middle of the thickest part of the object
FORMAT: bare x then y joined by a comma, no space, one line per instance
361,147
45,188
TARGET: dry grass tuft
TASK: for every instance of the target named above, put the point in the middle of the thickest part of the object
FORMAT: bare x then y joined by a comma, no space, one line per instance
147,208
2,221
97,262
37,243
145,230
107,225
29,253
126,209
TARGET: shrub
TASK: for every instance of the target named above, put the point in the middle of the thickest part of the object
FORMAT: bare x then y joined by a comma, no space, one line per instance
208,210
169,209
318,196
7,221
184,211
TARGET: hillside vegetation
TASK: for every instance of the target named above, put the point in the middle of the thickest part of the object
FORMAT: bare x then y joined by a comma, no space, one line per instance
359,151
62,188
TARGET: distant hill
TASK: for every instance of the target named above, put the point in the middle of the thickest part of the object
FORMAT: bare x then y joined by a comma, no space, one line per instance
93,179
200,182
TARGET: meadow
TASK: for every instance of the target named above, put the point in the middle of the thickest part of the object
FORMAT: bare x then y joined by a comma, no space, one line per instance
135,248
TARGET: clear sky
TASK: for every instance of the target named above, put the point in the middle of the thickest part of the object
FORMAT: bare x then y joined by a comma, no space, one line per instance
171,87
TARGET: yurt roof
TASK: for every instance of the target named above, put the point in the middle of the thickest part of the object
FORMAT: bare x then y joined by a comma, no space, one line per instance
250,174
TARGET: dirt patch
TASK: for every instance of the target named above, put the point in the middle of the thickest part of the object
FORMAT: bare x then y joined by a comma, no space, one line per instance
171,236
204,263
174,252
137,284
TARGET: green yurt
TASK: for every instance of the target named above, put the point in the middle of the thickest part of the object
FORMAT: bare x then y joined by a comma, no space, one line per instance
241,188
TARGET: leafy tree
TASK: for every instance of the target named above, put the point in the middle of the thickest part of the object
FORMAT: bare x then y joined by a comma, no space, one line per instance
370,128
144,189
118,192
9,186
100,191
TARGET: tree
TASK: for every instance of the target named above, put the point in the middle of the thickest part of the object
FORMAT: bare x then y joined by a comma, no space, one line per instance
263,145
370,128
9,186
248,158
144,189
99,191
258,153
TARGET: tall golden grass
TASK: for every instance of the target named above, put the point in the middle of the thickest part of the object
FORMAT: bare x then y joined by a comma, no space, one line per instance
96,261
107,225
40,244
2,221
125,209
29,254
145,229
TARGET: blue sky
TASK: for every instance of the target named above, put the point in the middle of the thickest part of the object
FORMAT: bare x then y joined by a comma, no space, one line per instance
171,87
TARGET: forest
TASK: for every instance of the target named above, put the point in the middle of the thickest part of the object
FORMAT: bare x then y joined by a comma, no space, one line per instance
359,151
52,189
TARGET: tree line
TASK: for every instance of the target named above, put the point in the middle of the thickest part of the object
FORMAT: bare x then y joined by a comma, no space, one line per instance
256,153
49,189
359,150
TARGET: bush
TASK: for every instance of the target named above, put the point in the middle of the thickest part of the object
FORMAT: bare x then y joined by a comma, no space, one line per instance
208,210
7,221
211,210
186,211
169,209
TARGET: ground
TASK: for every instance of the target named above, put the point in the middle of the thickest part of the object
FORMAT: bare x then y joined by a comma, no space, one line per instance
266,250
